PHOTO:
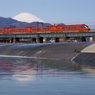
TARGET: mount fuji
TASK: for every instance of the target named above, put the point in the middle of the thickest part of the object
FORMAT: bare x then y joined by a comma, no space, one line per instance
27,17
21,20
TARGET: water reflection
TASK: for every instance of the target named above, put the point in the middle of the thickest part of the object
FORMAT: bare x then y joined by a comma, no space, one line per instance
33,66
25,76
23,73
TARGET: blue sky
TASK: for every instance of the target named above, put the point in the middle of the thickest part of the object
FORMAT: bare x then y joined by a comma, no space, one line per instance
53,11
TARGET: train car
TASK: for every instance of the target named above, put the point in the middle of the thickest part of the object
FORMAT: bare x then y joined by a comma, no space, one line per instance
42,29
15,30
76,28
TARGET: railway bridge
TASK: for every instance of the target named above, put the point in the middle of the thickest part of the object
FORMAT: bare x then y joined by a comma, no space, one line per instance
46,37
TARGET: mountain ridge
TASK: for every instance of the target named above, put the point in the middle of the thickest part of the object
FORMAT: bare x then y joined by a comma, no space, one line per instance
9,22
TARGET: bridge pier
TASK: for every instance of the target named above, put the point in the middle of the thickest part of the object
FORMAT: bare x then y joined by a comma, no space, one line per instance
56,40
39,39
15,40
81,39
11,40
33,40
93,38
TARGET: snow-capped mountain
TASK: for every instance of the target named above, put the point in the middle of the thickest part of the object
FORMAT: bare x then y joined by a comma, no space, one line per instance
9,22
27,17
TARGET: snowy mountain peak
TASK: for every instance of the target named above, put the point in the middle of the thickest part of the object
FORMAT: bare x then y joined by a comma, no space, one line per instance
27,17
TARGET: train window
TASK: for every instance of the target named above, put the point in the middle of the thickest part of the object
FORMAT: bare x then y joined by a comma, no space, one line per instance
33,28
72,27
48,28
82,27
63,28
85,26
44,28
39,28
3,30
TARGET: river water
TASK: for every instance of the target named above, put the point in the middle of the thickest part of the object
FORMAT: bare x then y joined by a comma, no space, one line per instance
31,76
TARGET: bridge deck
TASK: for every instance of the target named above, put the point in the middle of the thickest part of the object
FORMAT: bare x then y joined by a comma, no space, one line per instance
32,35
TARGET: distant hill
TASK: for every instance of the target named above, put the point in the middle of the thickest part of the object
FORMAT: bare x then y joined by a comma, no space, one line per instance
9,22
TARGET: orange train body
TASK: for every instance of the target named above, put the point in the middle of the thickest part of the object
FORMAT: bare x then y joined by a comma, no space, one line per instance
46,29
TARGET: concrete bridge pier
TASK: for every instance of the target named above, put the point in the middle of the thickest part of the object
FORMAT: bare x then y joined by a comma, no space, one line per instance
15,40
33,40
39,39
57,40
92,38
11,40
81,39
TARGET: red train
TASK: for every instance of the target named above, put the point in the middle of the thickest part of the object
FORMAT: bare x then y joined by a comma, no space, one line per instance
46,29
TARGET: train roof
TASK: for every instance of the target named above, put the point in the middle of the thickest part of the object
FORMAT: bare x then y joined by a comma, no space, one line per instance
76,24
